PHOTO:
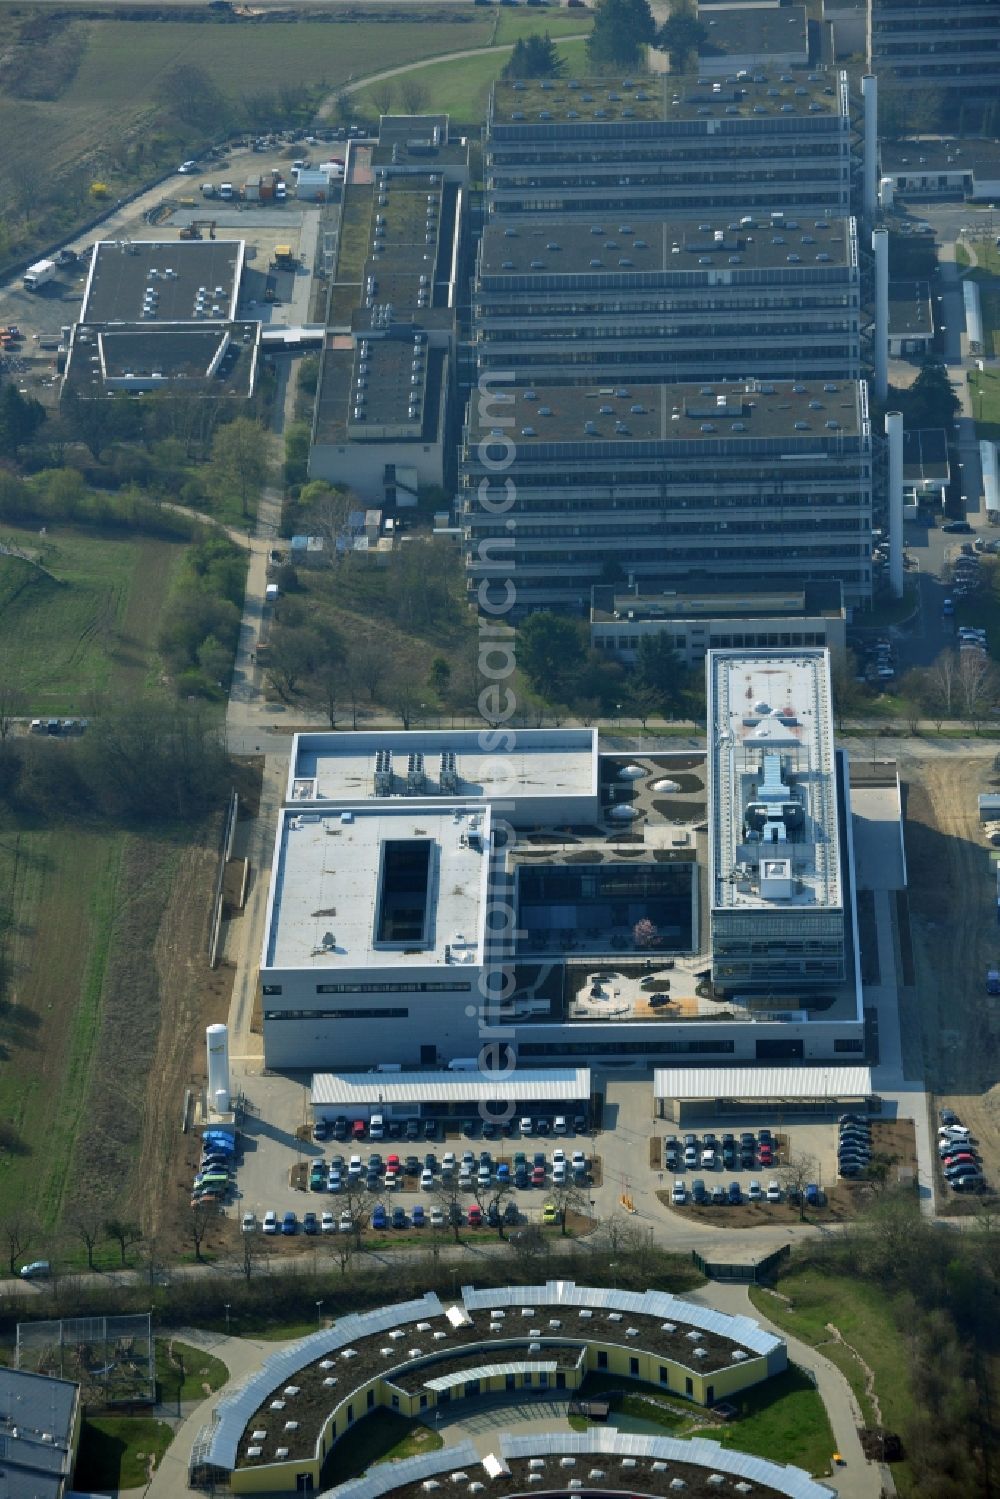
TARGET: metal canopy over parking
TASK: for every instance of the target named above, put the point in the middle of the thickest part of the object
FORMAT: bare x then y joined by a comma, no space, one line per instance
680,1091
400,1093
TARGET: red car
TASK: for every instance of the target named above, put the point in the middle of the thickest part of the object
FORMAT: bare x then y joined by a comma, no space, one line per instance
392,1162
960,1159
475,1216
538,1176
358,1129
765,1155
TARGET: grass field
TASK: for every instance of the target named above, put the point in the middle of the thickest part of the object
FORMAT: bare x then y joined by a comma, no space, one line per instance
865,1321
984,393
463,91
991,320
85,625
196,1376
119,1452
383,1436
109,114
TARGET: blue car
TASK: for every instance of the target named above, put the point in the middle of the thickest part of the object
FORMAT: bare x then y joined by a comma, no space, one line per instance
813,1195
417,1217
289,1224
503,1172
378,1216
735,1194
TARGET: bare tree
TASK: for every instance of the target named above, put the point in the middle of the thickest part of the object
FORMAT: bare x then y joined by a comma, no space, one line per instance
492,1197
404,696
381,94
124,1232
413,96
239,460
359,1202
977,684
449,1196
10,695
89,1229
20,1233
796,1174
344,1249
203,1215
942,684
529,1243
371,663
569,1197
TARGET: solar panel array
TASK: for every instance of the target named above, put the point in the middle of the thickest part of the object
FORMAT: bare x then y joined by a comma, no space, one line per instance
658,1304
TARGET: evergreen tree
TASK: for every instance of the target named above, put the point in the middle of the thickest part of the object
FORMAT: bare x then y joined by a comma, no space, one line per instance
534,56
682,35
621,31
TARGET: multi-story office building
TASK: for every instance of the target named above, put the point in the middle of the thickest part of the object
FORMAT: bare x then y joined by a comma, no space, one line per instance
953,44
675,144
779,881
696,623
387,378
672,485
722,297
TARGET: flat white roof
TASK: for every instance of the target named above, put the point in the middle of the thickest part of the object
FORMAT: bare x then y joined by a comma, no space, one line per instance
330,878
539,762
775,839
361,1089
762,1082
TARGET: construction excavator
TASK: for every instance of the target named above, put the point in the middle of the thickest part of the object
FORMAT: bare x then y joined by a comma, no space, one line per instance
193,230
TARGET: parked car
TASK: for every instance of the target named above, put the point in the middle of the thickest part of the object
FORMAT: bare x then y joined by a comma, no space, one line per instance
437,1217
813,1195
678,1195
328,1223
735,1194
270,1221
310,1223
36,1270
346,1222
690,1155
426,1180
948,1116
709,1160
773,1191
719,1194
248,1223
550,1213
399,1219
417,1217
511,1212
754,1191
538,1176
290,1223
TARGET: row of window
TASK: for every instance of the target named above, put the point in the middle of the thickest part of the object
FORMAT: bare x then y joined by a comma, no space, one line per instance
624,553
731,529
452,986
353,1014
622,1048
659,501
762,641
825,196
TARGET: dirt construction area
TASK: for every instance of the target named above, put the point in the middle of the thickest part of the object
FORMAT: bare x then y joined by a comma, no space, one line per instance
956,938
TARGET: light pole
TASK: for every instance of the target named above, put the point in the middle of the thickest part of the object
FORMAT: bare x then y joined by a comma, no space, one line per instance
227,1306
319,1314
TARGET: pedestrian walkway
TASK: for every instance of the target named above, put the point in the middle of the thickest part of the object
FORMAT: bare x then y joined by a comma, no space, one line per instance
242,1357
857,1478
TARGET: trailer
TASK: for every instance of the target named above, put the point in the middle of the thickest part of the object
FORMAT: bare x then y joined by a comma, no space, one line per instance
993,981
36,275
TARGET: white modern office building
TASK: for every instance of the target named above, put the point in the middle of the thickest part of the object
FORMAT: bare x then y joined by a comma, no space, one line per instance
437,892
779,839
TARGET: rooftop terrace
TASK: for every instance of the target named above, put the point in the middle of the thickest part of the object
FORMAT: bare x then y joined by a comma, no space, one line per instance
668,97
815,598
761,34
910,314
710,414
694,246
136,357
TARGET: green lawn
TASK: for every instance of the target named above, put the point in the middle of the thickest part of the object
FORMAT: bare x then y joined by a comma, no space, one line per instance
119,1452
987,256
186,1373
383,1436
864,1319
85,624
984,392
990,301
783,1418
558,23
463,91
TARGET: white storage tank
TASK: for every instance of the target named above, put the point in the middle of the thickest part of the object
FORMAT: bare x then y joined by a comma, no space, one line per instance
217,1046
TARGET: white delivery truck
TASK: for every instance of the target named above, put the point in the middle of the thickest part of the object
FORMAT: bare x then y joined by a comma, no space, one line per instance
36,275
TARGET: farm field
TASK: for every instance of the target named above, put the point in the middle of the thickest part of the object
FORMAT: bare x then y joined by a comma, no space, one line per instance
107,989
88,623
112,97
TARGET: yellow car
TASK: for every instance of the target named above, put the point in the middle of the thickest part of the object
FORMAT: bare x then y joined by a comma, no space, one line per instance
550,1213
